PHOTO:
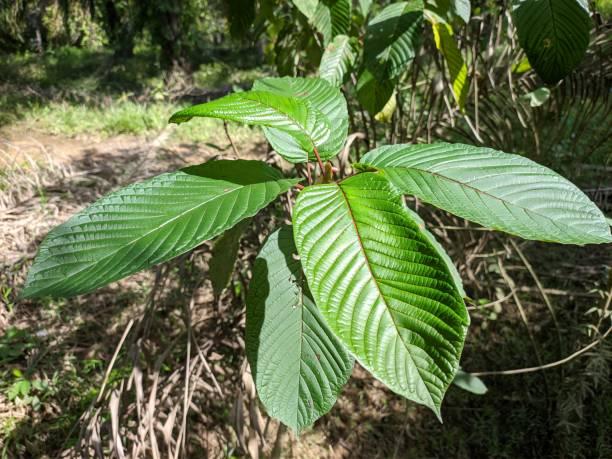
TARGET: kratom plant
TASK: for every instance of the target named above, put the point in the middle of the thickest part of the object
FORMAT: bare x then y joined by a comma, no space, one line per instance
356,276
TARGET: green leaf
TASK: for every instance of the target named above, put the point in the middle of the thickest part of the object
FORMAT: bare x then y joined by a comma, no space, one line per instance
537,97
224,255
323,98
374,93
469,383
553,33
338,60
307,7
364,6
149,222
298,364
392,39
452,269
457,69
463,9
381,285
498,190
297,119
331,18
385,115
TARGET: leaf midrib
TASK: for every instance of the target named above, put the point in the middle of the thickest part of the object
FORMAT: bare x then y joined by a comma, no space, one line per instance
295,121
387,308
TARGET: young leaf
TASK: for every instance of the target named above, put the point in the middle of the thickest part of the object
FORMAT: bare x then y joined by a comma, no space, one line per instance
554,34
381,285
149,222
331,18
393,38
223,256
469,383
385,115
298,364
537,97
323,98
457,69
495,189
297,119
338,60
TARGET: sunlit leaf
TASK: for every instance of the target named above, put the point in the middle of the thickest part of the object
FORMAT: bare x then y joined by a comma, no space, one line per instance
495,189
338,60
381,285
149,222
457,69
322,97
332,18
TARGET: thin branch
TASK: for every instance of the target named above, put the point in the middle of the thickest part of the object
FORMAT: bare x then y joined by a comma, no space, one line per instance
229,137
548,365
321,166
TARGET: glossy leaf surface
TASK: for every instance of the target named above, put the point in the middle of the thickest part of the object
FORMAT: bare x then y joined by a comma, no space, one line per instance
298,120
381,285
149,222
338,59
323,98
495,189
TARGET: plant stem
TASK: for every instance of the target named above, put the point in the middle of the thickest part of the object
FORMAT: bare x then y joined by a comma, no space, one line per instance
316,153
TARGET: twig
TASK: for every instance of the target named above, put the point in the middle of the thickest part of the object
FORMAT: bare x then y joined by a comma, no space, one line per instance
546,366
229,137
492,303
316,153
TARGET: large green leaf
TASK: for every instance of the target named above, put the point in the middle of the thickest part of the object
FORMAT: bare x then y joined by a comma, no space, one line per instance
338,60
393,38
325,99
331,18
296,118
553,33
149,222
498,190
298,364
457,68
381,285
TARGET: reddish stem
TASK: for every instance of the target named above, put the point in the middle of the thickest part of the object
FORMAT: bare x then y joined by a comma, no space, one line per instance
316,153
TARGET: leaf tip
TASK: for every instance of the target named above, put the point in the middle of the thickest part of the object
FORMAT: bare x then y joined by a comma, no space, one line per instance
179,118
